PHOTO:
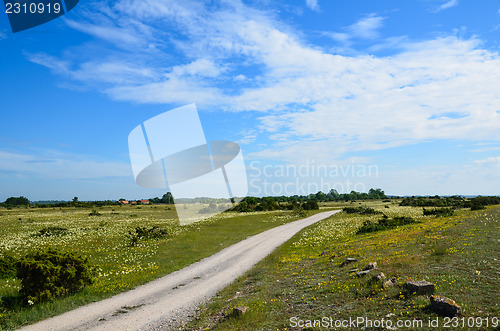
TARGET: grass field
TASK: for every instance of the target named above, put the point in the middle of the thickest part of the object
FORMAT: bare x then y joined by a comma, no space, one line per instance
303,281
102,236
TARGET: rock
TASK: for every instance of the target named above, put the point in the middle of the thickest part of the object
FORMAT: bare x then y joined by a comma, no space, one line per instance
347,261
371,265
363,273
389,282
378,276
353,270
419,287
240,310
390,315
445,306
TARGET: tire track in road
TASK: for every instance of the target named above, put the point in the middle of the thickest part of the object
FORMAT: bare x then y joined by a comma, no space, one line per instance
167,301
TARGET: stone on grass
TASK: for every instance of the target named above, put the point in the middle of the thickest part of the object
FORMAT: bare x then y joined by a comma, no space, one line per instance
389,282
240,310
419,287
347,261
445,306
353,270
371,265
378,276
363,273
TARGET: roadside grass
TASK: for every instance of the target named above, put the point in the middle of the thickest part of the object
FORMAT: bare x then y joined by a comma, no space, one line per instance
103,236
304,278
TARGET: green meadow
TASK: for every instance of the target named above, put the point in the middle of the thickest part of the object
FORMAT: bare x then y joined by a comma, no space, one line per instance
105,236
303,281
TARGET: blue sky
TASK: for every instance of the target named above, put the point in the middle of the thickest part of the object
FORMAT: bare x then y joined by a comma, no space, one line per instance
409,88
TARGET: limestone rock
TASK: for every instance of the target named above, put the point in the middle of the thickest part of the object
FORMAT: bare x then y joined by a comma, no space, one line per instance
363,273
389,282
445,306
419,287
240,310
371,265
347,261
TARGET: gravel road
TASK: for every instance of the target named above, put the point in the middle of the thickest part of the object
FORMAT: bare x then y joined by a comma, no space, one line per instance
171,300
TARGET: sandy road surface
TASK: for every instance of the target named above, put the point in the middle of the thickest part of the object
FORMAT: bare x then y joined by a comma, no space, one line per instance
167,301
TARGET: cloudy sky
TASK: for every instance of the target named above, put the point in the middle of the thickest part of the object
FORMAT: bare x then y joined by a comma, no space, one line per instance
401,95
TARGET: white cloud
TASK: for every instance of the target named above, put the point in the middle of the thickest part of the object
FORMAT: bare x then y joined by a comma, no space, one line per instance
365,28
323,103
491,162
312,4
446,5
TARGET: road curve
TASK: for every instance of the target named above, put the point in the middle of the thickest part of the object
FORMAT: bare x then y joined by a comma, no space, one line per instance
162,303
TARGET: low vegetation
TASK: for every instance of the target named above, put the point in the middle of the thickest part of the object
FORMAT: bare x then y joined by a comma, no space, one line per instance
122,247
385,223
361,210
51,273
442,212
306,279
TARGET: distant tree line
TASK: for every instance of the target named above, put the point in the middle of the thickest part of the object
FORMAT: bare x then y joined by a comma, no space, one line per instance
166,198
455,202
250,204
23,201
303,202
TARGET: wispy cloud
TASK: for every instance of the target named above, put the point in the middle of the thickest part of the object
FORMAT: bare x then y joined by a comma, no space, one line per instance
365,28
320,102
493,161
312,4
448,4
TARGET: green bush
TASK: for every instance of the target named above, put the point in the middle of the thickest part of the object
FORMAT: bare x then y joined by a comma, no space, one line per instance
51,231
52,273
7,266
145,233
360,210
443,212
94,213
476,205
384,223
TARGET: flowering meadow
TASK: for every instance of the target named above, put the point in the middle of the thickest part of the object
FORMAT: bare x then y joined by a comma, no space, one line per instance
305,280
103,235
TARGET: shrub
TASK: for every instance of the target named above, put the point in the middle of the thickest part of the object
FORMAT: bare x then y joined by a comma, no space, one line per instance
384,223
94,213
52,273
360,210
145,233
310,205
7,266
443,212
51,231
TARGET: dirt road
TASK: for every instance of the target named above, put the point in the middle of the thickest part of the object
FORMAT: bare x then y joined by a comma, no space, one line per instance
167,301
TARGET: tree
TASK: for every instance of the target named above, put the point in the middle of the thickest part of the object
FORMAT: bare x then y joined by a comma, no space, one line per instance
75,199
19,201
167,198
